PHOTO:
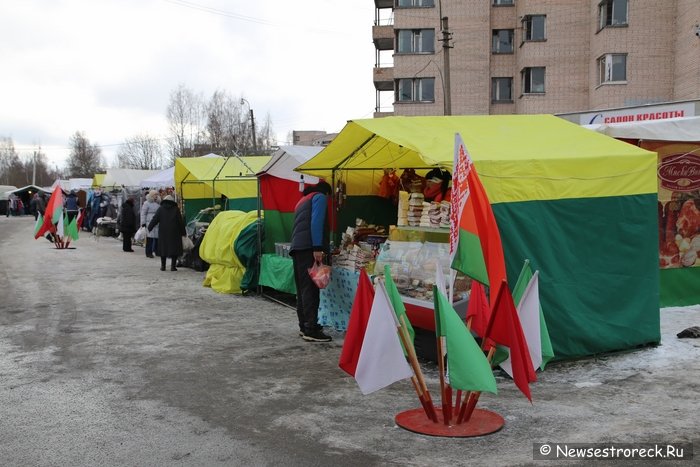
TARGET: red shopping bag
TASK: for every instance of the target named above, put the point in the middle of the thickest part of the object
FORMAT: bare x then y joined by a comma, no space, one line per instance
320,274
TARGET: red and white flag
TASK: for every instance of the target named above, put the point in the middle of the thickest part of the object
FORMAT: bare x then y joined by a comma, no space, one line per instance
380,360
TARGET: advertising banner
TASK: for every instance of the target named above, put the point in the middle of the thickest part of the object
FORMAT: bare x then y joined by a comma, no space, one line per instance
679,203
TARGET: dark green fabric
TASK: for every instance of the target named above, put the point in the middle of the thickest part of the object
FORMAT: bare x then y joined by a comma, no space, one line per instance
373,209
242,204
598,263
277,272
680,287
246,249
278,229
193,206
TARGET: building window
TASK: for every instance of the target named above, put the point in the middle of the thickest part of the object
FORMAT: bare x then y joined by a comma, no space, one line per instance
415,90
415,41
612,13
534,28
503,2
415,3
501,89
502,41
533,80
612,68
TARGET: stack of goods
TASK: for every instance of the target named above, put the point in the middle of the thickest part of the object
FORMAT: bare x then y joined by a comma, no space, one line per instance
415,209
445,207
402,218
435,214
425,216
354,258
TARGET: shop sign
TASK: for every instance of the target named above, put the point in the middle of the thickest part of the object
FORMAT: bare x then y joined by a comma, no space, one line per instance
680,172
639,114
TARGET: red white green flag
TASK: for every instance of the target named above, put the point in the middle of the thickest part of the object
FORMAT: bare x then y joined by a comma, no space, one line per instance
53,213
475,242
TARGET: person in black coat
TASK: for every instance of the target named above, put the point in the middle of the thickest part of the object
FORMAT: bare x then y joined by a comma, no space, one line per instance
171,229
127,223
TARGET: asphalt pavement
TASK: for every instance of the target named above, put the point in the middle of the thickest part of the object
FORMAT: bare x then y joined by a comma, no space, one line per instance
105,360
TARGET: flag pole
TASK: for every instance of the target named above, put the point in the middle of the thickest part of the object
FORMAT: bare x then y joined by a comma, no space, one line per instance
419,383
458,397
470,401
443,385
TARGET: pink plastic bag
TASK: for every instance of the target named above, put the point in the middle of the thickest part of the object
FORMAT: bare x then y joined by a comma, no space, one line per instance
320,274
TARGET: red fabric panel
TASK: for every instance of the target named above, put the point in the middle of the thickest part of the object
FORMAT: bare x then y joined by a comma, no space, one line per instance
279,194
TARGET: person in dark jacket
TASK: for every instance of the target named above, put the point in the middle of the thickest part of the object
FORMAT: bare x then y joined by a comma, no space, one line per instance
309,242
72,205
127,223
171,229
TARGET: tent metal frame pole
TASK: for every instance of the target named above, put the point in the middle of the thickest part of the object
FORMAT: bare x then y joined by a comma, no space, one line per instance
260,225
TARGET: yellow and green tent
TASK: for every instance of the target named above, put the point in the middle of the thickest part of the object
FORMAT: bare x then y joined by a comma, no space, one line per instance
581,206
201,181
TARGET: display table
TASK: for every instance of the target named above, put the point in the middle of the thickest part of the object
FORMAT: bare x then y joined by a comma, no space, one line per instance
336,303
336,299
277,272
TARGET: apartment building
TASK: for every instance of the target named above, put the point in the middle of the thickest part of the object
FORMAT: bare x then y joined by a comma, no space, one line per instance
533,56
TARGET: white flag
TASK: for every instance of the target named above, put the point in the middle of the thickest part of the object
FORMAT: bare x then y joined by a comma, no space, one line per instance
381,361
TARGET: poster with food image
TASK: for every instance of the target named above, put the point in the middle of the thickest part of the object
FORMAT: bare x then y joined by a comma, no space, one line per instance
679,203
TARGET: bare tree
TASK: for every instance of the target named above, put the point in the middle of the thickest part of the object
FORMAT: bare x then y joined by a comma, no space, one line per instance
10,165
186,115
35,166
265,138
141,152
85,159
20,170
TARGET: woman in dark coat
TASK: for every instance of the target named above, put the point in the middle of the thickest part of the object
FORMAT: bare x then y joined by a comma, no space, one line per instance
127,223
171,229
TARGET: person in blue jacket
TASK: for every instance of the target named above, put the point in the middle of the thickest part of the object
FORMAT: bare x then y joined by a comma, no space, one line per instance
309,243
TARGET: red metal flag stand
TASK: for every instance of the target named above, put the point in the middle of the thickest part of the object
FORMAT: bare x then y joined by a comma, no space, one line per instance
482,422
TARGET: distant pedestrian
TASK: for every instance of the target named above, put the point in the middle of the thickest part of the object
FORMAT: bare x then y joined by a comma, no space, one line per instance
40,203
171,229
71,205
148,210
127,223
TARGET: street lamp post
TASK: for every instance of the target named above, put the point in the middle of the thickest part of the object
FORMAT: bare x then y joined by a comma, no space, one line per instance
252,123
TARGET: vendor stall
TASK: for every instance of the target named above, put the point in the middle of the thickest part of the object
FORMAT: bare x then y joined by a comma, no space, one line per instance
580,206
203,182
677,142
279,193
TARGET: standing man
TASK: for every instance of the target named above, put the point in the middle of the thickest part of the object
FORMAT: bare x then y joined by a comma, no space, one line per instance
309,242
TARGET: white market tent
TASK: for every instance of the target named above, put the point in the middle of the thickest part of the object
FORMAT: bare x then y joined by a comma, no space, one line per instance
288,158
117,178
76,184
162,179
672,129
5,191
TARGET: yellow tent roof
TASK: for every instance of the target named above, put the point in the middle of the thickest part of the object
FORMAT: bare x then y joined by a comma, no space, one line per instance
210,177
518,157
97,180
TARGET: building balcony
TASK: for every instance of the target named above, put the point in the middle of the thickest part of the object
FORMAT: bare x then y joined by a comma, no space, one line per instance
383,37
384,3
383,78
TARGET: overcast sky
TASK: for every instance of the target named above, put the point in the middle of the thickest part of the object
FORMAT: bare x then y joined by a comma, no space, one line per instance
107,67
